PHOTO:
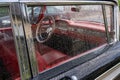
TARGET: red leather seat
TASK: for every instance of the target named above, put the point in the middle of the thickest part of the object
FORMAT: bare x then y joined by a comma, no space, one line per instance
49,56
41,62
9,58
46,60
53,57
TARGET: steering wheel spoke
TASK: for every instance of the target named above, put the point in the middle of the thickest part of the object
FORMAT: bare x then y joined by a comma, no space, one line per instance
45,28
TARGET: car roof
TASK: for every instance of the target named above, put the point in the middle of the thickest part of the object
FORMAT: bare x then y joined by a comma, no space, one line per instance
49,0
60,2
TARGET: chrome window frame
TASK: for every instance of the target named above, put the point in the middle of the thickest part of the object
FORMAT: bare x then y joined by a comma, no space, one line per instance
26,54
27,60
21,46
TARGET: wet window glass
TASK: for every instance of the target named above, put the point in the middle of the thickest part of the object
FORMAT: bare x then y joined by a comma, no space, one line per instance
9,69
61,33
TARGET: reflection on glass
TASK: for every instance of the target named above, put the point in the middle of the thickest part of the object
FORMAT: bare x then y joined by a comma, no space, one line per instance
9,69
77,29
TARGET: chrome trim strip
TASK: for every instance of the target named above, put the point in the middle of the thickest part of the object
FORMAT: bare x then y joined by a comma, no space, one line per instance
116,23
105,23
52,0
68,2
111,74
29,40
59,2
20,42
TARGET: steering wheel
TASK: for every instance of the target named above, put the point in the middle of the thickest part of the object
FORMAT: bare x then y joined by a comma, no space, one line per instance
45,28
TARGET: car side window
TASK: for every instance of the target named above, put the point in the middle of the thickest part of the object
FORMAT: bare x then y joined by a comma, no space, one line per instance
9,69
63,32
4,17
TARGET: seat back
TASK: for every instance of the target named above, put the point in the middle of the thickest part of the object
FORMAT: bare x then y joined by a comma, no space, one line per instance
9,58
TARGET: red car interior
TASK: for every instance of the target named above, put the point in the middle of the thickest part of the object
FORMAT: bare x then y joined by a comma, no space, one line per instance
46,56
9,58
50,56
